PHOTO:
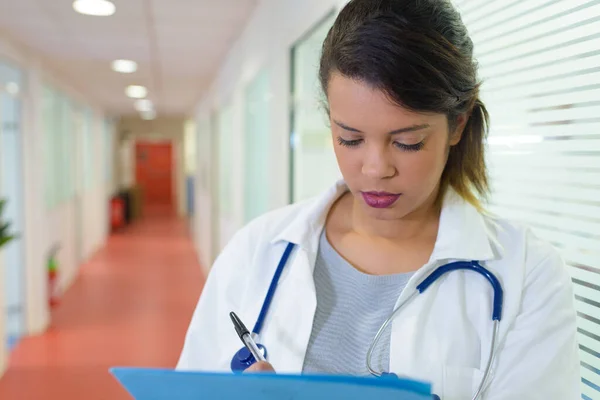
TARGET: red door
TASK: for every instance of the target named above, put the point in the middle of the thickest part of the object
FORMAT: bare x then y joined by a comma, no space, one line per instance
154,175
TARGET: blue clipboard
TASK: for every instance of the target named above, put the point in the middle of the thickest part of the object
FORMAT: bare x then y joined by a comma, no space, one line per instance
161,384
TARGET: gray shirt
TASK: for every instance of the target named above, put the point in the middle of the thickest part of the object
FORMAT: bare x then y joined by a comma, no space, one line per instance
351,307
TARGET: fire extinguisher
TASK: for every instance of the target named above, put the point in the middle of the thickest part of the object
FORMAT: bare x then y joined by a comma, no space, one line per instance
53,294
117,217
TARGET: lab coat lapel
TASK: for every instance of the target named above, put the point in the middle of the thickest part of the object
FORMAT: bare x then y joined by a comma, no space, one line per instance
289,324
462,232
414,347
292,315
412,341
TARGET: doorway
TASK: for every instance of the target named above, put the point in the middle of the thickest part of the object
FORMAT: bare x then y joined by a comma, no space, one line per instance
154,176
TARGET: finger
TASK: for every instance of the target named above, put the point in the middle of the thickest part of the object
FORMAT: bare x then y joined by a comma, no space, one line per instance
260,366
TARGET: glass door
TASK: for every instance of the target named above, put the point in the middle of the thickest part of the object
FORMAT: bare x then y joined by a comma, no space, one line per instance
11,189
257,149
313,167
225,172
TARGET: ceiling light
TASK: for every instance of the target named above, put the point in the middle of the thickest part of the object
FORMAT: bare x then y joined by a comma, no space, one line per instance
99,8
136,91
124,66
143,105
148,115
12,88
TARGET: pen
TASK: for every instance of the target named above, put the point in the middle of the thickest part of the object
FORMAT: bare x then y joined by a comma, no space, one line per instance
245,337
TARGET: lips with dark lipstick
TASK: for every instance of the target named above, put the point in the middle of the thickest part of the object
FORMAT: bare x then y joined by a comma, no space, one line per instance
380,199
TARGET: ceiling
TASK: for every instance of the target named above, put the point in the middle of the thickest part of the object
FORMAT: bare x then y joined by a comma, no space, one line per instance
178,44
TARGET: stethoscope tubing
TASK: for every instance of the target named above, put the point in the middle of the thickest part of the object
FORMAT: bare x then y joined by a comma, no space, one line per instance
426,283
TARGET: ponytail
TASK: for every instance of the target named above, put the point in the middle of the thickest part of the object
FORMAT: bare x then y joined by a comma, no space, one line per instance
466,171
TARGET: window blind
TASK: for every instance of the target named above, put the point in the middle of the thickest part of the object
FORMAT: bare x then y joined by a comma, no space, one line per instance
540,62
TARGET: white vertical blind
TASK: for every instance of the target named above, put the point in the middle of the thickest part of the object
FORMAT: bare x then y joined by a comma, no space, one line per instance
540,62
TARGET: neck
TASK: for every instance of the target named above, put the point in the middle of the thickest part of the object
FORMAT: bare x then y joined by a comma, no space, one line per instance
422,223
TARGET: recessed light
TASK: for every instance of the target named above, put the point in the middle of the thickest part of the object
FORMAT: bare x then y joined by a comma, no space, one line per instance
99,8
12,88
136,91
148,115
124,66
143,105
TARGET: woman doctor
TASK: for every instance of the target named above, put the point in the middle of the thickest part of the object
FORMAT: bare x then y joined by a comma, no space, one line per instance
408,130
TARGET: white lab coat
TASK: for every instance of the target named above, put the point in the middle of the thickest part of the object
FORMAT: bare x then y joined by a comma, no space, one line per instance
443,336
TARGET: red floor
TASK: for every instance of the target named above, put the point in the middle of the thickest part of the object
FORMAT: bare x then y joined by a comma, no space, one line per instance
130,306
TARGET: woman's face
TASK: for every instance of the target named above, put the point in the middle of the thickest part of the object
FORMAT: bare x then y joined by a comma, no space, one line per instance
391,158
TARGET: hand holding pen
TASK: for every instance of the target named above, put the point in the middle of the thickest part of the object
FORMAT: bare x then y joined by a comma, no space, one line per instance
261,365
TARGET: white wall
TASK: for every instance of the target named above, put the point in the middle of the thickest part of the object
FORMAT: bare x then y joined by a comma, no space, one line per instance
126,167
266,42
95,227
44,227
203,202
78,225
190,146
86,216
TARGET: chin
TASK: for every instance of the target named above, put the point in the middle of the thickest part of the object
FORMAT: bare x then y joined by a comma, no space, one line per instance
385,214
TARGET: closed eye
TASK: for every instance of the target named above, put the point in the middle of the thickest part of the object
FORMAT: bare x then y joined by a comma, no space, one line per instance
410,147
349,143
399,145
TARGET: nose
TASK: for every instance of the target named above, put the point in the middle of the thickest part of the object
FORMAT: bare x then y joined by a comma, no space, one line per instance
378,164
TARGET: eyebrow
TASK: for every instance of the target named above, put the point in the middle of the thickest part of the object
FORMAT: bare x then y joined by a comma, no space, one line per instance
411,128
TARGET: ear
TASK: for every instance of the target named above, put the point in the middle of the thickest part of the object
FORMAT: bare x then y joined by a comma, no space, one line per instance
461,122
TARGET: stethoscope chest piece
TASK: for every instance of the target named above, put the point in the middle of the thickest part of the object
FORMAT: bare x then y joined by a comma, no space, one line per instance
244,359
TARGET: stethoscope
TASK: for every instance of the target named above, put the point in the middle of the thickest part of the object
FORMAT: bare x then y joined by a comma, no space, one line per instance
243,359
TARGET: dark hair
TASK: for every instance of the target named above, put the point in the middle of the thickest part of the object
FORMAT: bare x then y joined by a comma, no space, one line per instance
419,53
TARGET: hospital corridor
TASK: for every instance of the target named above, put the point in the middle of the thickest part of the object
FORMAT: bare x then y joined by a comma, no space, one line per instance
190,189
139,290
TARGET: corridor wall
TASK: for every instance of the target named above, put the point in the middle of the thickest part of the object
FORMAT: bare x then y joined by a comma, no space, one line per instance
204,189
47,219
75,191
257,50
